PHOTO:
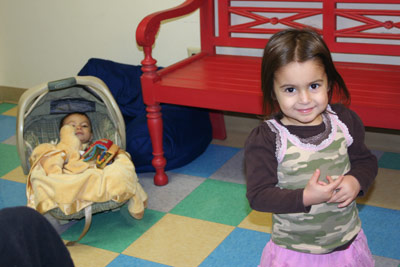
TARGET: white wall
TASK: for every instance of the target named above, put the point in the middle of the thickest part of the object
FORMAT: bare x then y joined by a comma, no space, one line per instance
44,40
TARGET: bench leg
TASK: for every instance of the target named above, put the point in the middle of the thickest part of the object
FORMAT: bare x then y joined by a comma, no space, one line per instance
155,124
218,124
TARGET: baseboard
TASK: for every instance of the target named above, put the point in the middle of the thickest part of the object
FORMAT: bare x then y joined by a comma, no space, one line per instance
388,142
10,94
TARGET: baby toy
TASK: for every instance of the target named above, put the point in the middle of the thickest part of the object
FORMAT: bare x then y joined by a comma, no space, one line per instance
102,152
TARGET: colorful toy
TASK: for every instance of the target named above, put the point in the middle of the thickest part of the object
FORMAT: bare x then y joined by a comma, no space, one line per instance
102,152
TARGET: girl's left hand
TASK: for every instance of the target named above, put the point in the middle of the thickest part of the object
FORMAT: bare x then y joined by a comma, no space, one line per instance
347,191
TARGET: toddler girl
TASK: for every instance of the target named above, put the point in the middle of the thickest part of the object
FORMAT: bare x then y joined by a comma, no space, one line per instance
308,162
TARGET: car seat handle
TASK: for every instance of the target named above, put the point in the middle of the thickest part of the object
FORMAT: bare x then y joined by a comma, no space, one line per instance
61,84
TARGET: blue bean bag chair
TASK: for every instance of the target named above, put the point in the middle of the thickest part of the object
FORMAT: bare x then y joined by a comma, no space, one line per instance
187,131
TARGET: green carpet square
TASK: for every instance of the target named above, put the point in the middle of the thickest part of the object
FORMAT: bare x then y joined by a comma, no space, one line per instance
9,158
390,160
6,106
216,201
113,230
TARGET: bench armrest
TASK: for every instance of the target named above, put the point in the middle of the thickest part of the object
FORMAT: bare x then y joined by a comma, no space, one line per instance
149,26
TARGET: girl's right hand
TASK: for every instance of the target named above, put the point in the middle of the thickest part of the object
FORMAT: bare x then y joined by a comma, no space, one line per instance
317,192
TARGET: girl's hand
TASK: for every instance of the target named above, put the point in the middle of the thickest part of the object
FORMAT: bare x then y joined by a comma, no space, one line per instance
317,192
346,192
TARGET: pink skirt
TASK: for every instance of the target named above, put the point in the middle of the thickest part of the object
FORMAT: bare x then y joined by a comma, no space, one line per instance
356,255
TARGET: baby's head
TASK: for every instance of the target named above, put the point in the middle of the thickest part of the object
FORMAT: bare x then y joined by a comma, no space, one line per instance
81,124
298,45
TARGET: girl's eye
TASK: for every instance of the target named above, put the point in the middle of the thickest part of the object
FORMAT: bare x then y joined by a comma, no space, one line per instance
290,90
85,126
314,86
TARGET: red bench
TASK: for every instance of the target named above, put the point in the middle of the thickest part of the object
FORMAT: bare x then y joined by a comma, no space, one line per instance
217,81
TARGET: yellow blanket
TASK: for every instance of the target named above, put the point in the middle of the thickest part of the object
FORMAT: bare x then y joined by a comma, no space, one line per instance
73,192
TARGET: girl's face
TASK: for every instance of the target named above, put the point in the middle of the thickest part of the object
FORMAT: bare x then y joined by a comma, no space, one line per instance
81,124
301,89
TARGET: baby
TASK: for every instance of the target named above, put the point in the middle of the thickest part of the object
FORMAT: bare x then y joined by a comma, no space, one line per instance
75,134
101,151
82,125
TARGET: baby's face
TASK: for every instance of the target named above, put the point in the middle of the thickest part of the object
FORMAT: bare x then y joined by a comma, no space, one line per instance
81,124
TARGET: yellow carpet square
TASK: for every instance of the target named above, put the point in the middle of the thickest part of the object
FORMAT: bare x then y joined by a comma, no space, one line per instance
179,241
384,192
11,112
16,175
258,221
88,256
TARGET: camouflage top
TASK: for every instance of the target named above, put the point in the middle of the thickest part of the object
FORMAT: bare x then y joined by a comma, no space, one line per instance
325,227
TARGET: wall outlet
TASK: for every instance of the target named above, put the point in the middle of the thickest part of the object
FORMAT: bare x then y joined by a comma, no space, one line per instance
193,50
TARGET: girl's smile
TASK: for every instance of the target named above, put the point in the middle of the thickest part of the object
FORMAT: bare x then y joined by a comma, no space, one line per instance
301,89
305,110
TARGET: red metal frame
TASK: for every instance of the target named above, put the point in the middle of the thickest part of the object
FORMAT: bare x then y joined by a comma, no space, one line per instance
232,82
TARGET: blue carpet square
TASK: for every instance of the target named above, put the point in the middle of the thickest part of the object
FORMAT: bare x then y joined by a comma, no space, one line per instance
381,226
209,162
390,160
8,125
242,247
12,194
128,261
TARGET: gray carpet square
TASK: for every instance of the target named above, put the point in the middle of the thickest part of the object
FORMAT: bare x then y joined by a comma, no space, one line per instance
233,170
164,198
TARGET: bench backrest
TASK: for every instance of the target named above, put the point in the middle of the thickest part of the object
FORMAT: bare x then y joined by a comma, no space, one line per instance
348,26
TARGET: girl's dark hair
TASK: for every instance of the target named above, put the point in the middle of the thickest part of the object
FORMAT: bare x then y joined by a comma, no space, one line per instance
72,113
298,45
